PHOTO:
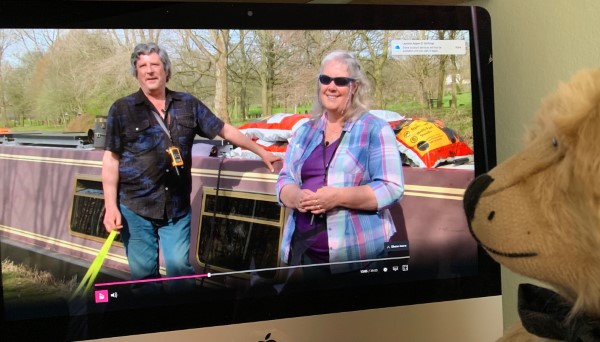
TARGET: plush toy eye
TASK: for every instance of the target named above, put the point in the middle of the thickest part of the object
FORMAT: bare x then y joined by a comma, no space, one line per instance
554,142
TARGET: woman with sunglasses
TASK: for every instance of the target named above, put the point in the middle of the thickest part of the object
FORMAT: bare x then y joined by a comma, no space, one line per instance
341,173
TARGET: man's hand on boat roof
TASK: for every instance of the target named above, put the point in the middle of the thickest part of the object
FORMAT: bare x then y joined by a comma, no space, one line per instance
238,138
269,158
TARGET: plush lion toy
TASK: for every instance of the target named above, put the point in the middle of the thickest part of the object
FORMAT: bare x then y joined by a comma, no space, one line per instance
538,214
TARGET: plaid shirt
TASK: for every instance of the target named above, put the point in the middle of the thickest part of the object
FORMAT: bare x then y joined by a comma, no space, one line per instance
368,154
148,184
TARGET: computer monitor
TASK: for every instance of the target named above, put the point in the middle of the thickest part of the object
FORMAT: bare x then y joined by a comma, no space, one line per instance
431,69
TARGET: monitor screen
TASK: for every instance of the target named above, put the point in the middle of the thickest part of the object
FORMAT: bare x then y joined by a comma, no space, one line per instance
256,66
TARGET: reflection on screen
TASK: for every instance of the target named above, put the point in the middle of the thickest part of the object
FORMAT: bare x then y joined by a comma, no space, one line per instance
52,193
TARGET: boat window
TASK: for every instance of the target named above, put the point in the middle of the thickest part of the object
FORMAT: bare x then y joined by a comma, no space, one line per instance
239,231
87,209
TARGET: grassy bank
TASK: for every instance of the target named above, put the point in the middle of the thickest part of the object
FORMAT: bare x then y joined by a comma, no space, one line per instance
24,284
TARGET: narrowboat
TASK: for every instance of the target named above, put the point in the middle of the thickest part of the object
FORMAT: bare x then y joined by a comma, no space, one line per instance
52,205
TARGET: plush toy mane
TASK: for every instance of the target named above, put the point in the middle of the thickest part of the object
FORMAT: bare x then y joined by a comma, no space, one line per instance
539,212
569,193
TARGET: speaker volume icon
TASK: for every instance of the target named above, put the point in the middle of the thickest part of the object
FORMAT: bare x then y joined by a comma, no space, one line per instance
114,294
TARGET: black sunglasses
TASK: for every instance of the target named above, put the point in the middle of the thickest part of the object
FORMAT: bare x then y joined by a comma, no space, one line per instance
338,81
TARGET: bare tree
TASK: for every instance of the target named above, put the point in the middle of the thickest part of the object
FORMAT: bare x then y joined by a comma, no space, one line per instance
282,69
214,45
240,71
373,48
294,74
128,38
221,39
458,74
38,40
442,60
318,43
266,71
84,71
419,70
192,68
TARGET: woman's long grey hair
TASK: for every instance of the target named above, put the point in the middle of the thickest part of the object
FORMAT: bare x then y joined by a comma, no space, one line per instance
146,49
360,100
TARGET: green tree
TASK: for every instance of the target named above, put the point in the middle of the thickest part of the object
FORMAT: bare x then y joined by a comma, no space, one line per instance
81,74
17,90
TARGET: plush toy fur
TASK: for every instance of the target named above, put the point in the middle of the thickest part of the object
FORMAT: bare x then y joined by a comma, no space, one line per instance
538,213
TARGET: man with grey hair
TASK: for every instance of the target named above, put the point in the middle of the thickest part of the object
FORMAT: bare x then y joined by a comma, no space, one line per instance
146,173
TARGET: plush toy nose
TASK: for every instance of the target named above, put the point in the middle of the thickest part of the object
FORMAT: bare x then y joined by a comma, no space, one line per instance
473,192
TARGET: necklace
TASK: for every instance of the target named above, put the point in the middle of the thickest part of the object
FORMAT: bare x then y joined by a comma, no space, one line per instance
331,134
325,162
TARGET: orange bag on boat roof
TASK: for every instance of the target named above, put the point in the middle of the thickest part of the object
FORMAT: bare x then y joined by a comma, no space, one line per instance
428,143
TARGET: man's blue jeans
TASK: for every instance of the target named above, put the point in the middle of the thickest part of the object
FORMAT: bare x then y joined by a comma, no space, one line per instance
142,236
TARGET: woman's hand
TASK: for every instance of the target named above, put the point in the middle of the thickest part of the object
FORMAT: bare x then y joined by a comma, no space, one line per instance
325,199
329,197
302,203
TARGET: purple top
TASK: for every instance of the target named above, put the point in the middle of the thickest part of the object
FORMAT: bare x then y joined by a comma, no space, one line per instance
313,177
367,155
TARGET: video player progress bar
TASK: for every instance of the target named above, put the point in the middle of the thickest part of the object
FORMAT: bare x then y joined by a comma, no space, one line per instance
209,275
